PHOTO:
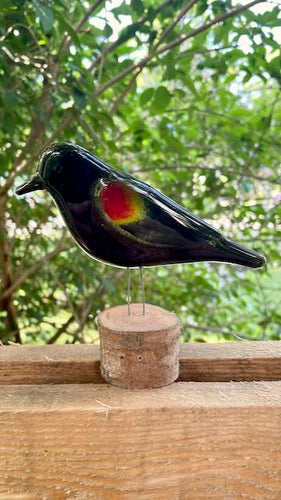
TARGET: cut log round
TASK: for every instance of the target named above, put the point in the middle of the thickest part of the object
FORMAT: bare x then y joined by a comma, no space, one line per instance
139,351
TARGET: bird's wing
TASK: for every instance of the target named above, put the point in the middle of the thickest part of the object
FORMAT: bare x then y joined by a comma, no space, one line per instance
177,212
149,216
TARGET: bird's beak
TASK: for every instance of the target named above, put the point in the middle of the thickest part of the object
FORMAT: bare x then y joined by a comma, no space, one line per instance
32,184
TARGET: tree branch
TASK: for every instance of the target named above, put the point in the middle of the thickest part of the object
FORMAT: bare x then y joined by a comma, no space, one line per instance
123,36
61,246
33,234
83,314
225,169
126,90
171,26
221,331
204,27
165,33
67,297
61,330
7,272
178,41
21,163
67,41
35,138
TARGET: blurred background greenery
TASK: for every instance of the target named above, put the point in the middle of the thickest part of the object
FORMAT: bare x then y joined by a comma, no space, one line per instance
183,95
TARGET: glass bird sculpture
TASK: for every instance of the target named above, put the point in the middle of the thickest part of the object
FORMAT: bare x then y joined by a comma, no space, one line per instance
123,221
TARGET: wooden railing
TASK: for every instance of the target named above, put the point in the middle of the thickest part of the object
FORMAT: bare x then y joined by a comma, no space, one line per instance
214,434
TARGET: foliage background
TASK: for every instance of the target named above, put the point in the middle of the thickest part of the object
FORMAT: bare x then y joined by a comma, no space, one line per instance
184,95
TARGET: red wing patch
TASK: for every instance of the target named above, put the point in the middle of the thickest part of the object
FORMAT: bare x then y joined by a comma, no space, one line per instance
121,203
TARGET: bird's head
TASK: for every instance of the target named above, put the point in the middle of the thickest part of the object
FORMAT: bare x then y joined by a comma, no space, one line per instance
50,170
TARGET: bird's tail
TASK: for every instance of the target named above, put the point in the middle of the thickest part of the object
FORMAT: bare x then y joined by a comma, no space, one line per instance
229,251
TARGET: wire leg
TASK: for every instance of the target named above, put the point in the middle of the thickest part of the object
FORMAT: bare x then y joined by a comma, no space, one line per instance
129,291
142,290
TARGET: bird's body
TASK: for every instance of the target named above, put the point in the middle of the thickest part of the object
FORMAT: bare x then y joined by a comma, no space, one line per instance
122,221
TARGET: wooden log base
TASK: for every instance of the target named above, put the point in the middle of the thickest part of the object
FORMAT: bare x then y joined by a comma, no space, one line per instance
139,351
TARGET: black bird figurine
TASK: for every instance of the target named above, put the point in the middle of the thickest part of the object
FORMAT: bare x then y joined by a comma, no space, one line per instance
124,222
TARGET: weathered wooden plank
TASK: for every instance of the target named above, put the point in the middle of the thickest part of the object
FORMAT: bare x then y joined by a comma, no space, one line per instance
185,441
50,364
198,362
239,361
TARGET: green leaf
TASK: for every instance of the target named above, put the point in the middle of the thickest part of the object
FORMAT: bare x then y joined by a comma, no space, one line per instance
146,96
161,100
128,33
202,5
180,92
122,10
269,19
170,67
67,27
45,15
189,83
79,98
107,31
137,5
247,77
10,99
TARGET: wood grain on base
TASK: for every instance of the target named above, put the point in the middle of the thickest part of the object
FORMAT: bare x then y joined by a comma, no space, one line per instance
69,364
185,441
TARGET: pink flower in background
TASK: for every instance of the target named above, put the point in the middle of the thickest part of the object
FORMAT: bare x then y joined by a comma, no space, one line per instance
31,202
